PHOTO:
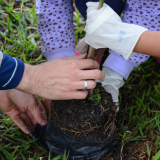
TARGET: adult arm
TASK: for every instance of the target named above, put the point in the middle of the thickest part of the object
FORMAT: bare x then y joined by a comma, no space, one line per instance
61,79
127,38
58,79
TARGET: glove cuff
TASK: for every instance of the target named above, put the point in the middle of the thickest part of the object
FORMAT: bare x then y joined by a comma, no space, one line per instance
112,82
119,65
60,53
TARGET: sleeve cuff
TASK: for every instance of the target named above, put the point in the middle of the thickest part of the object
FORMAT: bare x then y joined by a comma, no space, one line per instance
60,53
11,72
119,65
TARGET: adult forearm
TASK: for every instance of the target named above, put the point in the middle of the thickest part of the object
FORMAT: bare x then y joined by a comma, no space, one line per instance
28,82
149,43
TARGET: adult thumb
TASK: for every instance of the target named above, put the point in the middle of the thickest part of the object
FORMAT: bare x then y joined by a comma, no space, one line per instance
29,104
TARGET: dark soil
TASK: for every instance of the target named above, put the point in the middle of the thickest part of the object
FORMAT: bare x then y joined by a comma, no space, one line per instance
89,120
132,151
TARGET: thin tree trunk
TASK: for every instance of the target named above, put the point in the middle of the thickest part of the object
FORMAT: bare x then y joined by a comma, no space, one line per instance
91,52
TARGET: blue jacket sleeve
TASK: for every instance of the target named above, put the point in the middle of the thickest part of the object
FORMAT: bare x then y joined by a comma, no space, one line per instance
11,72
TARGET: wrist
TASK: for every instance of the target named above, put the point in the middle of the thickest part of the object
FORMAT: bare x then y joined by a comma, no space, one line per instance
28,81
118,64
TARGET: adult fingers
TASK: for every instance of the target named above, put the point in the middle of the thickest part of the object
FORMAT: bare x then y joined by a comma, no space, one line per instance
77,57
81,84
32,118
88,64
37,111
19,122
92,74
43,112
27,120
76,94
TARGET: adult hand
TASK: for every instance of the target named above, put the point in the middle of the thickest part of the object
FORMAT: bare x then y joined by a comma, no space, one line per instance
19,105
61,79
105,29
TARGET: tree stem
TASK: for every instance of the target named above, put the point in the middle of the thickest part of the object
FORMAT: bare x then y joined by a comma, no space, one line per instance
91,49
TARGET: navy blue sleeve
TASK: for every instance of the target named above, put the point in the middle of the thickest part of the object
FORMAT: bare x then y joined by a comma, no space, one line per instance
116,5
11,72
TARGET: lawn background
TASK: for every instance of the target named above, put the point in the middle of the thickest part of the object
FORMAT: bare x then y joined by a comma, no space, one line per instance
138,121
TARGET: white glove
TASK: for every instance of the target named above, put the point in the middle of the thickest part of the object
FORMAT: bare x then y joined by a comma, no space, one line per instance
104,29
111,83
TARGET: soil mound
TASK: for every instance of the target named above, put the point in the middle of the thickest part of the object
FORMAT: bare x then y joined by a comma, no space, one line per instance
92,119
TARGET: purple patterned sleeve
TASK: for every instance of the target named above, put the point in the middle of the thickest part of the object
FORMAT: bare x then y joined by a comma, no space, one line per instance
55,26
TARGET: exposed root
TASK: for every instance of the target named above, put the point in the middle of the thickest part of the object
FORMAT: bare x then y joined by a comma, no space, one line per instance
81,131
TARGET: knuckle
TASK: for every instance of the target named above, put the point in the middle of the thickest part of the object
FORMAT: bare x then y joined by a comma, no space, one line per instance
93,64
75,74
73,64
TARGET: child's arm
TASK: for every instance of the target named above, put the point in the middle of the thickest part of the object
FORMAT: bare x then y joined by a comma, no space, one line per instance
110,32
55,26
149,43
121,37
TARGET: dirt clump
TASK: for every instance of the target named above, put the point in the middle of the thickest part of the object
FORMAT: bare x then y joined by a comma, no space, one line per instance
92,119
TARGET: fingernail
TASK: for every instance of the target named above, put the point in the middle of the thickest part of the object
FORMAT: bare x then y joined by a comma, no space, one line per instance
44,122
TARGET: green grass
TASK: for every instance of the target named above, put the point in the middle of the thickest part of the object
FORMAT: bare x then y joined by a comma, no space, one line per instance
140,102
139,114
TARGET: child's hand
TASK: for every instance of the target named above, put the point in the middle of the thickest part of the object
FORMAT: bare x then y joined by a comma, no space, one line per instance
82,46
112,82
104,29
